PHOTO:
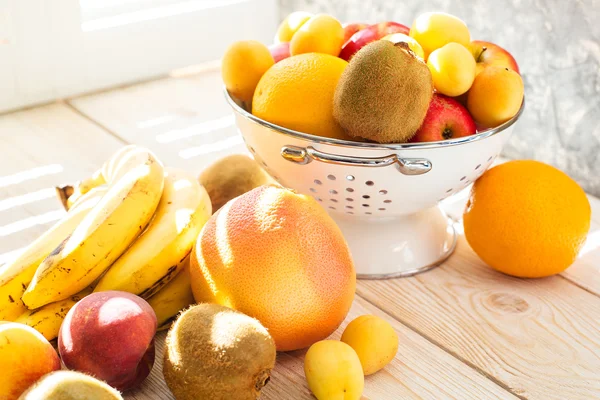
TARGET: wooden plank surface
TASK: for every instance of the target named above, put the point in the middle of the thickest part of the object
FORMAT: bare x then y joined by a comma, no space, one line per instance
533,337
466,331
41,148
539,338
57,135
186,119
420,370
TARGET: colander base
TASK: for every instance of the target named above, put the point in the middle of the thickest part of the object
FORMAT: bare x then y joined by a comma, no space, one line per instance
384,248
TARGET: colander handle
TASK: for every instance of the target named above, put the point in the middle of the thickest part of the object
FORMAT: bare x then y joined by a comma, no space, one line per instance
408,166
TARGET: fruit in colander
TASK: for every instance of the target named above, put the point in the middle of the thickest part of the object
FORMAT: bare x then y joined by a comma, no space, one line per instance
243,64
297,93
446,119
384,93
495,96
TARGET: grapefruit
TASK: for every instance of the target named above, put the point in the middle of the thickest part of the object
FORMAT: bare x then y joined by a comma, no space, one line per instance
277,256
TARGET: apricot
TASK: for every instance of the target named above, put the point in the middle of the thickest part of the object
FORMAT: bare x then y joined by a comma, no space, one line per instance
290,25
25,356
243,64
333,371
374,341
320,34
110,335
495,96
435,29
452,69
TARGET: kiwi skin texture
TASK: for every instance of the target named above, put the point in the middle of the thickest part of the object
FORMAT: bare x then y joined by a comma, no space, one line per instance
70,385
384,93
214,352
230,177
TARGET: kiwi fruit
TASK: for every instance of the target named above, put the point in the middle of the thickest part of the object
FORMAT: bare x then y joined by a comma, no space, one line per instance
230,177
70,385
384,93
214,352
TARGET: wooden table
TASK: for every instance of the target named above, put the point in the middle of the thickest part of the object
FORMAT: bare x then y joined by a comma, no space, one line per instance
466,332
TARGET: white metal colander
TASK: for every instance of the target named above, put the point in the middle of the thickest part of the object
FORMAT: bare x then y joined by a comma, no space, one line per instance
384,197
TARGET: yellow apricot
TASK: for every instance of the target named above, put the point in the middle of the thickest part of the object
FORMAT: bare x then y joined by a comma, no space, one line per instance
374,341
435,29
290,26
452,69
243,64
333,371
320,34
495,96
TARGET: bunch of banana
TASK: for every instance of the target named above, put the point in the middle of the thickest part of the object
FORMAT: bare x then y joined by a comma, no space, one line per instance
173,297
134,190
48,319
16,275
130,227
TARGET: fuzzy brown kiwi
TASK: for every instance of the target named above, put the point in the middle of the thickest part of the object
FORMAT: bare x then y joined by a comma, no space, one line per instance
230,177
384,93
70,385
213,352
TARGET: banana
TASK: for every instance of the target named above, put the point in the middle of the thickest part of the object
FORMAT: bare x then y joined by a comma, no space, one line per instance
70,194
174,297
48,319
135,188
156,255
17,274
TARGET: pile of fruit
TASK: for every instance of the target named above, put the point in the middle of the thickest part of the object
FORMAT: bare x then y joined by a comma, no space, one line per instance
383,83
269,269
139,244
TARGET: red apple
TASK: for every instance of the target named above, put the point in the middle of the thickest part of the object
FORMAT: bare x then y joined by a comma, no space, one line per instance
370,34
280,51
351,28
487,54
446,119
110,335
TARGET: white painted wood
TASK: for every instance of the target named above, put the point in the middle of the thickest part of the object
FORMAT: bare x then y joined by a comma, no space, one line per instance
59,49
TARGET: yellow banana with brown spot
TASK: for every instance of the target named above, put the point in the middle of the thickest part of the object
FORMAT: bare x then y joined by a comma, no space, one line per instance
134,191
156,256
16,275
173,297
48,319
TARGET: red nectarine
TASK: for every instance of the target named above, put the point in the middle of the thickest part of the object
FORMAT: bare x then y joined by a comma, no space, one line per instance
370,34
110,335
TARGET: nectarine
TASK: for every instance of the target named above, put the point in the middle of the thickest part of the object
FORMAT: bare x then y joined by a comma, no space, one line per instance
110,335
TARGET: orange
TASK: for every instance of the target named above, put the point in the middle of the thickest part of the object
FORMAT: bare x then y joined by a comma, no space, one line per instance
297,93
243,64
279,257
527,219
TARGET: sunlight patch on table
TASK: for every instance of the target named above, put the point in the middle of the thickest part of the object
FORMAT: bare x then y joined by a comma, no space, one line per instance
151,123
211,148
30,222
196,130
27,198
30,174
